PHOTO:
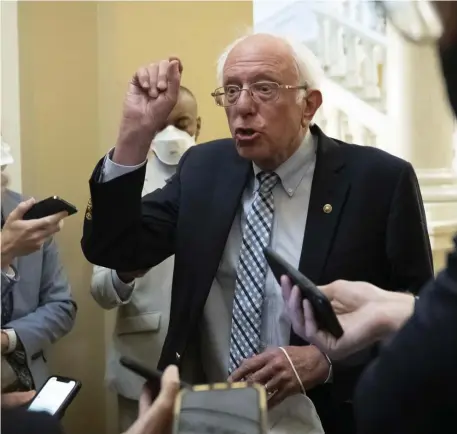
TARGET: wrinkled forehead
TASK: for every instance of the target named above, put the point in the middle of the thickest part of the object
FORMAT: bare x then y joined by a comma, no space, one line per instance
261,58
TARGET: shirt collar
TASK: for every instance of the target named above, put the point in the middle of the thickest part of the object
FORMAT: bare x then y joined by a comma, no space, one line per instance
292,171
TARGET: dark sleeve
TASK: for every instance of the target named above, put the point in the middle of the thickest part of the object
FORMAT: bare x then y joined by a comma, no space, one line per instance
124,232
21,421
408,244
410,388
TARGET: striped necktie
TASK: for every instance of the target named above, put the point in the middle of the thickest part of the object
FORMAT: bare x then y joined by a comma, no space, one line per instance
251,274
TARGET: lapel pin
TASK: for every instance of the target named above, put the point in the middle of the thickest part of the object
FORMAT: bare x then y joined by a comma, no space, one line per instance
327,208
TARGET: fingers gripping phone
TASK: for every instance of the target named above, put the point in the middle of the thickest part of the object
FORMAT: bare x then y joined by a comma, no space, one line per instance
50,206
324,314
153,376
55,396
221,409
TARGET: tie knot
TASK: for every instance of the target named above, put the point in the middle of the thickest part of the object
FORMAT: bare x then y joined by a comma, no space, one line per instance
267,181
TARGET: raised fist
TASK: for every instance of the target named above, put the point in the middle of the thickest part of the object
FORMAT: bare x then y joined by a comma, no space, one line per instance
151,96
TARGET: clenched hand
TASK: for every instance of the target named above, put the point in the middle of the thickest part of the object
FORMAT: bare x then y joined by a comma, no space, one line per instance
151,96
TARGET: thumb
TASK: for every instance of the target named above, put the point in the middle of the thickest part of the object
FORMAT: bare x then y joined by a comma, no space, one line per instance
16,399
286,287
310,320
21,209
174,78
170,383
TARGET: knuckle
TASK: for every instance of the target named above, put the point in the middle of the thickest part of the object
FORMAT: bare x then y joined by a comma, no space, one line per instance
277,364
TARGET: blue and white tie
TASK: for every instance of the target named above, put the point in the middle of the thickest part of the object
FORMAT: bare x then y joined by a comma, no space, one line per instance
251,273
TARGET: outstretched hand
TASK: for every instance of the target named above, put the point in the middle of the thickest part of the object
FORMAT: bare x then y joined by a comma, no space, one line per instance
366,313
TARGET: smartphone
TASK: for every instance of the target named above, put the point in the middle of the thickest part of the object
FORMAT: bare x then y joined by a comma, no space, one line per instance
50,206
55,396
153,376
221,408
324,314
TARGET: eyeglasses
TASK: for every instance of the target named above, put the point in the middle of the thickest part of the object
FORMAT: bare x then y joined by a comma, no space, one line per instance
262,91
417,21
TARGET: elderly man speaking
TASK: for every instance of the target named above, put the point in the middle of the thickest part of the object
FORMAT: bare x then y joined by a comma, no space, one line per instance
334,210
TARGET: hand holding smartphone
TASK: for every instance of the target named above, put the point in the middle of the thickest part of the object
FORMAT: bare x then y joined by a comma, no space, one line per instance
152,376
323,311
55,396
212,408
50,206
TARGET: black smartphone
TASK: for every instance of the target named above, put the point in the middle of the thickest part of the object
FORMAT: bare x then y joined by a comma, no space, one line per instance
55,396
221,408
50,206
153,376
323,312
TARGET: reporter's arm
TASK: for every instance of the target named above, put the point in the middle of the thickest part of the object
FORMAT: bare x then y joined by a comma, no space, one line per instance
409,383
56,312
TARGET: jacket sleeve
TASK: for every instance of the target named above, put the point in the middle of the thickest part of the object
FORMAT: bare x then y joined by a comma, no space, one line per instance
407,240
56,312
108,292
409,386
124,232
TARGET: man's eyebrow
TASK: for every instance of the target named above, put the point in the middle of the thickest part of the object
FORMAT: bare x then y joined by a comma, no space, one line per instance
260,76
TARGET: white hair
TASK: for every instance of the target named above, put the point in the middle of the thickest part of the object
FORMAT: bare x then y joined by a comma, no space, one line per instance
309,68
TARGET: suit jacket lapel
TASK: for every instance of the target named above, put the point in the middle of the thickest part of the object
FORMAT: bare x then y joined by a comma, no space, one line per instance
329,191
225,201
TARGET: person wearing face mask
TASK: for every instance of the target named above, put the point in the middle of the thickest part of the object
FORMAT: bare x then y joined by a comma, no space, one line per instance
410,387
143,297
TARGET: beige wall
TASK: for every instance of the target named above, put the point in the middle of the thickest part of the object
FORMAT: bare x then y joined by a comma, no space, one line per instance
75,59
59,142
135,33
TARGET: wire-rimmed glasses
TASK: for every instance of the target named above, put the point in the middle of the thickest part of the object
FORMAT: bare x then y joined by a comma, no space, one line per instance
262,91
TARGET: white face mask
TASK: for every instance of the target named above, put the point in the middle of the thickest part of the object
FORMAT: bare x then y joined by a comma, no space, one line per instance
170,144
5,153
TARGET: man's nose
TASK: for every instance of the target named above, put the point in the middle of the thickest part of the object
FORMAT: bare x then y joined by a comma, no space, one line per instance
245,104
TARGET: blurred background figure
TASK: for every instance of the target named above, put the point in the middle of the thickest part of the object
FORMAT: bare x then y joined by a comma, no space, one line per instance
143,298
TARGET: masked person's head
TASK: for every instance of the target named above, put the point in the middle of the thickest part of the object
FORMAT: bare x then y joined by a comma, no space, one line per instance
181,131
5,159
424,22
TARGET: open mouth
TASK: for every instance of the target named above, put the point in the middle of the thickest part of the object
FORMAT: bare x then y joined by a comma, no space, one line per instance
246,133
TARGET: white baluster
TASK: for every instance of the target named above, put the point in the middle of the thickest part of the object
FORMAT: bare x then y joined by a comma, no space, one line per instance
369,72
351,79
333,35
379,56
339,65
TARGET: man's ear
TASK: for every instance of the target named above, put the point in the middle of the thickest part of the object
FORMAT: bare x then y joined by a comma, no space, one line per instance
311,104
199,126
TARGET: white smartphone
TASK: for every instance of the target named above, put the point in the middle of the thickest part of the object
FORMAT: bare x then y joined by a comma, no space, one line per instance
55,396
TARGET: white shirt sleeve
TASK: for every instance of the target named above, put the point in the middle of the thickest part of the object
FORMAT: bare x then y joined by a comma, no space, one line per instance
112,170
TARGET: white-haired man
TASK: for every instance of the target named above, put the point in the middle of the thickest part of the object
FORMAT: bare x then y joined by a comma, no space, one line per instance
336,211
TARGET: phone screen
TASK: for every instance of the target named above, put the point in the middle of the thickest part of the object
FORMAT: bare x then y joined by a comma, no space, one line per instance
51,397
